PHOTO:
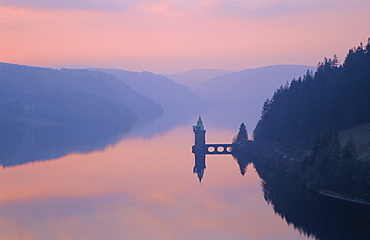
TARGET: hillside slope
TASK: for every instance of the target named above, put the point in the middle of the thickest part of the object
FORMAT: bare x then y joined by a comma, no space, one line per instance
241,95
334,98
317,128
196,76
173,97
69,96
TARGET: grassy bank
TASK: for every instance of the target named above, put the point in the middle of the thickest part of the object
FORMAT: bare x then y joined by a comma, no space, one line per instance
361,137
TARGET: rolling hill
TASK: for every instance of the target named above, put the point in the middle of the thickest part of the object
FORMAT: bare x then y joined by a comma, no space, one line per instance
173,97
238,97
196,76
69,96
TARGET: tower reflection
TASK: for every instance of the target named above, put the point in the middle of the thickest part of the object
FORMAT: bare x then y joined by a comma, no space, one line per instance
200,165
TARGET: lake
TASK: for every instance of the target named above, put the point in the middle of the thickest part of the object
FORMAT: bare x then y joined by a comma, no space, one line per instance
141,187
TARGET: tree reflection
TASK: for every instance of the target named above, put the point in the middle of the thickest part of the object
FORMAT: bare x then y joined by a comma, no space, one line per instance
312,214
23,144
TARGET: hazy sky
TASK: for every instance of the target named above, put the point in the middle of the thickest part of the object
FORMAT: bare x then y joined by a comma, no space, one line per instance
165,36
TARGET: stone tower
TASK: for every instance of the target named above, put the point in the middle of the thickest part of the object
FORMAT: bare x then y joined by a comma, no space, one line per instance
199,149
200,137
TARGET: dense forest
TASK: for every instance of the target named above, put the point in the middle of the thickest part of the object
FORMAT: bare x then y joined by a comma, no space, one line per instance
334,97
299,127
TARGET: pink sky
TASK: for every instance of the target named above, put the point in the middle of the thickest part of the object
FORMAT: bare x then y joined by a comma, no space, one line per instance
164,36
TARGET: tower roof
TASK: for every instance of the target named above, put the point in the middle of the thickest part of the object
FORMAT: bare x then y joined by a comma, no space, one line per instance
199,125
200,122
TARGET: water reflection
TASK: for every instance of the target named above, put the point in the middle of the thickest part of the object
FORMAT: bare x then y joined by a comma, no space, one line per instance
200,165
312,214
142,188
167,122
21,145
137,189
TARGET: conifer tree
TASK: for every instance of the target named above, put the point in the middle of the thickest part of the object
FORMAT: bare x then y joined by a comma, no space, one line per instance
242,135
349,150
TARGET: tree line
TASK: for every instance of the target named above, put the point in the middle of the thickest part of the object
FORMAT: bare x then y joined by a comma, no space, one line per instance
334,97
297,131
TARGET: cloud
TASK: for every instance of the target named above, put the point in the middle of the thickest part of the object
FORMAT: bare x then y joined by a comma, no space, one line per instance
88,5
273,8
226,8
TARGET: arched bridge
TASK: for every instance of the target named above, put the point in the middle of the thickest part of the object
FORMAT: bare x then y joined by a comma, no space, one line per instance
218,148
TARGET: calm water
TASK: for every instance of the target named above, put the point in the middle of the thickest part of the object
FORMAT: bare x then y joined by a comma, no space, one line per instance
139,188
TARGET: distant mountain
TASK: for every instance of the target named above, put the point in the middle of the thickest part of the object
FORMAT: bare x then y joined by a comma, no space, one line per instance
69,96
47,113
196,76
70,66
173,97
238,97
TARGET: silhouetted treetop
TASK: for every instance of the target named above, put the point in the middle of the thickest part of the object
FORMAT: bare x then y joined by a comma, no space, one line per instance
242,135
334,97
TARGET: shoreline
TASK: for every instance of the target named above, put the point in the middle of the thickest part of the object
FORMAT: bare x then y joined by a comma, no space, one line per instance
344,198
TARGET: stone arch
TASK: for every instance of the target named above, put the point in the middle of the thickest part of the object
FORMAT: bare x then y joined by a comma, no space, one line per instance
211,149
220,149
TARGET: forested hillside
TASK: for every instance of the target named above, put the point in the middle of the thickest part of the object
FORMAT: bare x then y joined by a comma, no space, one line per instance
317,127
41,96
334,97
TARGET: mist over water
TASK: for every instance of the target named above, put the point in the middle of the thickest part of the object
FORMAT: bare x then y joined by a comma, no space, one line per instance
106,153
66,181
141,187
